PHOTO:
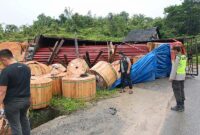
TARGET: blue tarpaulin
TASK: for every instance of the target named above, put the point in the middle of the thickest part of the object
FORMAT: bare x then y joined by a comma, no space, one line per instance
154,65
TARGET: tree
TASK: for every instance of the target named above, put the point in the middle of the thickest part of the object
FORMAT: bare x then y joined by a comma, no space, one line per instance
1,28
184,19
11,28
25,30
43,24
179,20
62,19
117,24
66,16
43,20
1,31
68,12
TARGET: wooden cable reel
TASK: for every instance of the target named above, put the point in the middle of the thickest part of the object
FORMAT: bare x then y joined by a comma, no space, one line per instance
79,87
150,46
136,58
58,71
116,66
41,92
56,83
105,74
37,68
4,127
77,67
15,48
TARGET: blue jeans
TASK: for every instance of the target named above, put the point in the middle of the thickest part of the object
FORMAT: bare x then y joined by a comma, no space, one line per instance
16,113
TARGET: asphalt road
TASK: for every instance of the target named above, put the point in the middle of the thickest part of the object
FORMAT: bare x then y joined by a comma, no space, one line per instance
137,114
188,122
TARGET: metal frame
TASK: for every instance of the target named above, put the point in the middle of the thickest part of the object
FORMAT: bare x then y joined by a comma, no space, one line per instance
192,55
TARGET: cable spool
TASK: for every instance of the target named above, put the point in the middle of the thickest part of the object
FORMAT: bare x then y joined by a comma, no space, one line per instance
41,92
77,67
79,87
38,68
105,74
116,66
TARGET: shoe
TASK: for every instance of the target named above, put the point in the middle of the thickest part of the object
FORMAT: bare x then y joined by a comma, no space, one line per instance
183,107
122,90
130,92
178,108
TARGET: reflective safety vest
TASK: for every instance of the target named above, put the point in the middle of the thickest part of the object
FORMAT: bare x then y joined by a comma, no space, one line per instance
182,64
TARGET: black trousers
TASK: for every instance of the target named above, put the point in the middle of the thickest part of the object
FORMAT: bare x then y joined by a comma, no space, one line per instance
125,78
178,89
16,113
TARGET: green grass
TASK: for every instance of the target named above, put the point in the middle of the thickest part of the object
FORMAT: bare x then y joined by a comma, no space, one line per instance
103,94
70,105
66,104
62,106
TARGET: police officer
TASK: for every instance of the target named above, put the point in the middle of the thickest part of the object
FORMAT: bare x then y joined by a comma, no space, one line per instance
125,67
177,78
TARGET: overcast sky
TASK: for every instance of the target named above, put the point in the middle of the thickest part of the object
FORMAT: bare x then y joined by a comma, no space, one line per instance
20,12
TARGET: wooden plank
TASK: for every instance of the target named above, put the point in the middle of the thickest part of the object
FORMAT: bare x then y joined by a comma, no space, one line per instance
58,58
112,58
110,50
57,51
66,60
88,58
59,46
96,59
52,53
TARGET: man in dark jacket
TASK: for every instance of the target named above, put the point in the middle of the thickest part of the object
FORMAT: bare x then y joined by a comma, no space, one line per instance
15,92
125,67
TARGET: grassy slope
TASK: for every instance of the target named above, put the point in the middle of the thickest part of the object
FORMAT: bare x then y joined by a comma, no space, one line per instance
62,106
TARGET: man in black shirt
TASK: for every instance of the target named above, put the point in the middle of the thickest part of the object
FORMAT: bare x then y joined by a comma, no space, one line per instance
15,92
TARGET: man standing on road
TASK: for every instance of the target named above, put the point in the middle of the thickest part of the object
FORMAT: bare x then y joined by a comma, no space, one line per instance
177,77
15,93
125,67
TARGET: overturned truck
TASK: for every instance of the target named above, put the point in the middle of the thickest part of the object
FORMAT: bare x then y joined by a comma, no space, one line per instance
43,48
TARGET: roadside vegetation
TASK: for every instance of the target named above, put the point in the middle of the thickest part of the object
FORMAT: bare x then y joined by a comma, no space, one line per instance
179,21
65,106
